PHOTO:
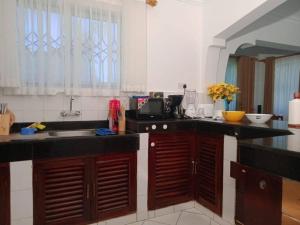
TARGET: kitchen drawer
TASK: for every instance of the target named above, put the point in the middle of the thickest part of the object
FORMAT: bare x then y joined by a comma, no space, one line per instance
291,201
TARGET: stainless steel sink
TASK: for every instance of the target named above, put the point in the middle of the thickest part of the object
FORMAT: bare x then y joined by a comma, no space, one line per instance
72,133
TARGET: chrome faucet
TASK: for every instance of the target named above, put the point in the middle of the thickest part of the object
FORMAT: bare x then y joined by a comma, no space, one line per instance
70,113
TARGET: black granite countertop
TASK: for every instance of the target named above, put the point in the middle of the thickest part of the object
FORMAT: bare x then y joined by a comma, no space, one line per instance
16,147
278,155
241,130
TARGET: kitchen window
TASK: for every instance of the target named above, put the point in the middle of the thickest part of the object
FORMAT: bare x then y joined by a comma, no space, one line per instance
68,46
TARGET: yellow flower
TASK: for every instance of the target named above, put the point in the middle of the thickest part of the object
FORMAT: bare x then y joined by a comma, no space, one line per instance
222,91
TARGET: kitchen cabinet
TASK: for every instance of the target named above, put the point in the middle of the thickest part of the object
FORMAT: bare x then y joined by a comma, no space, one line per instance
115,185
4,194
85,189
258,196
171,157
209,171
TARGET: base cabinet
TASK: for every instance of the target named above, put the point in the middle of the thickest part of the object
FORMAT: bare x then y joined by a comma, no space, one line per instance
258,196
171,157
4,194
185,166
209,171
84,190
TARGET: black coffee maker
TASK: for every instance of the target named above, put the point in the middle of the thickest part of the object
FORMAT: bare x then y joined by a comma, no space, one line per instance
176,110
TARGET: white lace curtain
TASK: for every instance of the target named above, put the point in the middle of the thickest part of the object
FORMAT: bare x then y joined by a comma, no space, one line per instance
70,46
287,72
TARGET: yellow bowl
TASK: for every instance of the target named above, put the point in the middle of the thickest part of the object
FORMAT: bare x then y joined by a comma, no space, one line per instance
233,116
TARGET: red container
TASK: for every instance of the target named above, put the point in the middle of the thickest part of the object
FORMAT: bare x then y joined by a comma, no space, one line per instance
113,116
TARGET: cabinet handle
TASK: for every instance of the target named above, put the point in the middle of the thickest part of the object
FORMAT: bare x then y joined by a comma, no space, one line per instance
152,144
262,184
193,167
244,171
87,191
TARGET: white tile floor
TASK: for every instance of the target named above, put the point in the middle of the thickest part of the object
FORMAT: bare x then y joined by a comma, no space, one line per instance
191,216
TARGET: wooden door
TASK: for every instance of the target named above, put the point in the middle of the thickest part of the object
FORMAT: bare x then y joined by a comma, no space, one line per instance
258,196
209,171
115,185
170,169
61,191
4,194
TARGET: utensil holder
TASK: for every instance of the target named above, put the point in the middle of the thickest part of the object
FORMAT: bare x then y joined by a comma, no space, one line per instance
4,124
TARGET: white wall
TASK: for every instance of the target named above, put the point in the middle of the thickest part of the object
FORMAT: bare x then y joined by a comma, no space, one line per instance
184,38
181,48
174,45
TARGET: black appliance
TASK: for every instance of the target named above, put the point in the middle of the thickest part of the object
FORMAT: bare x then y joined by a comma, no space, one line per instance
176,110
146,108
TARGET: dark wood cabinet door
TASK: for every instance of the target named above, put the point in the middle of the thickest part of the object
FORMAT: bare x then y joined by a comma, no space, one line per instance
4,194
209,171
61,191
115,185
170,169
258,196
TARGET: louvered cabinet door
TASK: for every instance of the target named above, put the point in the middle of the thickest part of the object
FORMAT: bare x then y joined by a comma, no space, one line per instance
61,192
115,185
4,194
209,171
170,169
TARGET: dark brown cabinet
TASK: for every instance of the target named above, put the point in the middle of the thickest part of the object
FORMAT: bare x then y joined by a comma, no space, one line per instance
115,186
258,196
185,166
209,171
84,190
4,194
171,157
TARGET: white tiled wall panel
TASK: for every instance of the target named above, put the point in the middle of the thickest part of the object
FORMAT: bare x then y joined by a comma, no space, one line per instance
48,108
21,193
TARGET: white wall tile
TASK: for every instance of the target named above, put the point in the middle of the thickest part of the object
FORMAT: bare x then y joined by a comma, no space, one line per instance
54,102
21,204
229,203
230,148
48,108
33,115
53,115
21,175
90,115
27,221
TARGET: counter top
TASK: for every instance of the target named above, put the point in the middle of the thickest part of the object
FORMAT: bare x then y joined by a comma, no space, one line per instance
241,130
278,155
16,147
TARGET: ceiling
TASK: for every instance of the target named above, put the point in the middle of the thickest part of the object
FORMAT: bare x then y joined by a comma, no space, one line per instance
288,10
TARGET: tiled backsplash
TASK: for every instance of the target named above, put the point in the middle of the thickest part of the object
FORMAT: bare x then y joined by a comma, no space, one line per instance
48,108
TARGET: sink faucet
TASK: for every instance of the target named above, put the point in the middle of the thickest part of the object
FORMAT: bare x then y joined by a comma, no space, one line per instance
70,113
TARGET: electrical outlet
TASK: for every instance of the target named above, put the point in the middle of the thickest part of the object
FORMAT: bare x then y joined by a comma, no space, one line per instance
181,85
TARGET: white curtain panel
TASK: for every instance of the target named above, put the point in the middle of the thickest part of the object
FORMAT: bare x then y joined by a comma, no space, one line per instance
9,71
73,46
287,72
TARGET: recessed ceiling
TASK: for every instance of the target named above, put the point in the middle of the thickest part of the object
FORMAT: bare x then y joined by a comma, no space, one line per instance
288,10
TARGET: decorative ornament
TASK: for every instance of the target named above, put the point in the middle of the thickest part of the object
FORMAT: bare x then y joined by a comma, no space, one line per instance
151,2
